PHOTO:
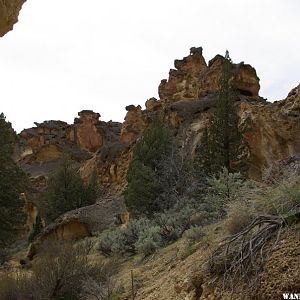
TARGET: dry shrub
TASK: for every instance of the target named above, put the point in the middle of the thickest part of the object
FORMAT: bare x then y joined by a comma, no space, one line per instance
66,267
239,215
61,271
280,198
102,285
14,286
194,234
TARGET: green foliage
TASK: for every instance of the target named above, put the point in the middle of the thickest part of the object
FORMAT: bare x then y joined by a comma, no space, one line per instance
248,201
143,189
154,145
194,234
221,142
175,221
280,198
224,188
145,170
36,229
13,182
144,235
149,240
66,191
122,240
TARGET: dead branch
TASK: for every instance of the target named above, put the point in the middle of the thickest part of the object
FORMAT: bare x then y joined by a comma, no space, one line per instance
243,254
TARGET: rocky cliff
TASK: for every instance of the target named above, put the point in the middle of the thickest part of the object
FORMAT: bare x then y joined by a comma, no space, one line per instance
9,12
40,147
187,98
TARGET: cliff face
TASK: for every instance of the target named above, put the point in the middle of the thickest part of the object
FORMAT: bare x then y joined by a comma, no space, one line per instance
189,95
192,78
41,146
273,131
187,98
9,12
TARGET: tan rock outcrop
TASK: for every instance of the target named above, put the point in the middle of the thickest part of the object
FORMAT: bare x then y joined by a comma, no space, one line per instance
9,12
111,165
88,135
194,79
80,223
187,99
133,124
273,131
182,82
189,96
40,148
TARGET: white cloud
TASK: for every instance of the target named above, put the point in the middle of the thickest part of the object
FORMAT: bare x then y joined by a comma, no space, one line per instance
65,56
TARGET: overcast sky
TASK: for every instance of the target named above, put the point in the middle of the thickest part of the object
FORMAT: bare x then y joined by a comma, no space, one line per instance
64,56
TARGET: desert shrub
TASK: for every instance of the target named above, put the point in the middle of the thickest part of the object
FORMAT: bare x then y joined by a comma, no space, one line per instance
239,215
194,234
123,240
62,271
224,189
280,198
103,284
66,267
144,235
174,222
149,240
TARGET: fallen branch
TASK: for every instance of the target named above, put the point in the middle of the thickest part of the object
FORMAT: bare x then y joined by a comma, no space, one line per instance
243,253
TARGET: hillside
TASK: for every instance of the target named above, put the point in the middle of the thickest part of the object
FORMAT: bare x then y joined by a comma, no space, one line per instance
215,236
187,99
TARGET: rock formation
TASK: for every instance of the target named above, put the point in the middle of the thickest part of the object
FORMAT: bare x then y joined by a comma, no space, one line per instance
80,223
192,78
187,99
9,12
40,148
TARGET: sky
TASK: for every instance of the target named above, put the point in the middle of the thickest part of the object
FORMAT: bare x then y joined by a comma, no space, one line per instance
66,56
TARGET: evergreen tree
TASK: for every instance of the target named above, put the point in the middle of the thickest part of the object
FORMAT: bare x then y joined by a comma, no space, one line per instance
221,141
66,191
13,182
145,171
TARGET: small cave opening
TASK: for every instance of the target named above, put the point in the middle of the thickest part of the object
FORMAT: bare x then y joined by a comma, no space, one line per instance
245,93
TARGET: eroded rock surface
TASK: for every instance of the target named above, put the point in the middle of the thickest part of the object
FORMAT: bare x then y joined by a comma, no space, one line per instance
40,148
9,12
187,99
80,223
192,78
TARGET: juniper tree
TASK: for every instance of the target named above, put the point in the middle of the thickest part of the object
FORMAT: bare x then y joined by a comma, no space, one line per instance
67,191
220,144
150,179
13,182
